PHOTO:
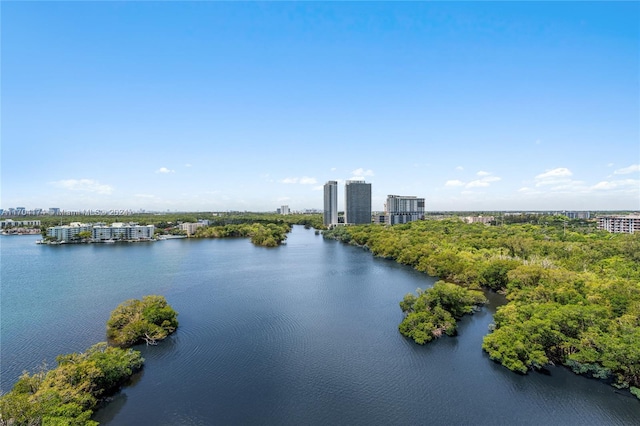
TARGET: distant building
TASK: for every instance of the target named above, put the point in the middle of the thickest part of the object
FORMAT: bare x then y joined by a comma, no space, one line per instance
284,210
190,227
627,224
330,212
122,231
577,215
54,210
403,209
9,223
357,206
479,219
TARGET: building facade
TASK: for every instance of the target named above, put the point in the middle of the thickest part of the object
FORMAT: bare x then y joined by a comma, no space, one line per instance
330,212
357,206
190,227
68,232
403,209
122,231
9,223
627,224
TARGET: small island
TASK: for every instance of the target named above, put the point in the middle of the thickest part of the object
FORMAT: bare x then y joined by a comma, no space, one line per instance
147,320
68,394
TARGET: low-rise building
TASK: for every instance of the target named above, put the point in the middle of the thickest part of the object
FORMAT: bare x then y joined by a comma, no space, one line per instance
10,223
67,232
479,219
627,224
190,227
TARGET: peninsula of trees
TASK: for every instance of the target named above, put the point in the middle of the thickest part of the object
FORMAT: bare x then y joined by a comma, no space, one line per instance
68,394
573,294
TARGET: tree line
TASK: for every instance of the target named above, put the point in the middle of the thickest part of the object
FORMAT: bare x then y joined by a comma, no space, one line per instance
573,293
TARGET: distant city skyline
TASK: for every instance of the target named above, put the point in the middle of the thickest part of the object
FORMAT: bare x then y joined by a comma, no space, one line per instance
219,106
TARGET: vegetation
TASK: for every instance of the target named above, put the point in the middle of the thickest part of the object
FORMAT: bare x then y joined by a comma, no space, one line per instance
134,321
434,312
573,292
266,235
68,394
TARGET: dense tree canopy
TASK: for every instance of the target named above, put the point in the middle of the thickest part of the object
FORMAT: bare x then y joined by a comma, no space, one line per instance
573,292
434,311
134,321
68,394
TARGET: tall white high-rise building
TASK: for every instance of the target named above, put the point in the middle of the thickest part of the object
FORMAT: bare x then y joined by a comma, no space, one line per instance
403,209
330,214
357,206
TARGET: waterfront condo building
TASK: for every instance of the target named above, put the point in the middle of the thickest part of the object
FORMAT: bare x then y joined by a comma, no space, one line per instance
330,213
357,206
403,209
122,231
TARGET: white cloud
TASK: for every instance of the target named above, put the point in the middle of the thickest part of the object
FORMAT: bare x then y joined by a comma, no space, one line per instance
362,172
483,173
477,184
626,170
615,184
187,165
144,196
302,181
560,172
482,182
454,182
555,177
333,169
459,168
308,181
165,170
84,185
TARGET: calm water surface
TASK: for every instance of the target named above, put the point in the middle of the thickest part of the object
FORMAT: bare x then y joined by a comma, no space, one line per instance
302,334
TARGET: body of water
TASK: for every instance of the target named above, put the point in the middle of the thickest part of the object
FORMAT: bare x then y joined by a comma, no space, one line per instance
305,333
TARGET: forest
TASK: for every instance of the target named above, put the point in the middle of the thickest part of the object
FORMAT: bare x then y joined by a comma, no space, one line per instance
68,394
573,293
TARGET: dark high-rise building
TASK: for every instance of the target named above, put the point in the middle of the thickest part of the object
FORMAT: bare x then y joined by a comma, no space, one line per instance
330,214
357,206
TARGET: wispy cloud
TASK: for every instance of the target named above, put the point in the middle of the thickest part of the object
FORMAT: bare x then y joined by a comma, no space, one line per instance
627,170
484,182
483,173
459,168
617,184
302,180
560,175
454,182
362,172
84,185
165,170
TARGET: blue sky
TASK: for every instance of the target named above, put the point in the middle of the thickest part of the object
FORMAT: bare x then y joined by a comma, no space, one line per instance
248,106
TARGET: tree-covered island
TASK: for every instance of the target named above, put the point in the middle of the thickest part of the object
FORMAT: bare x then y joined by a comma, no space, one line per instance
573,293
68,394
